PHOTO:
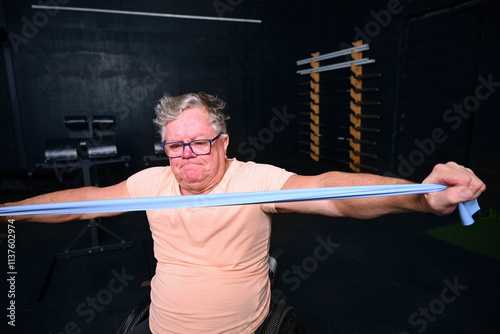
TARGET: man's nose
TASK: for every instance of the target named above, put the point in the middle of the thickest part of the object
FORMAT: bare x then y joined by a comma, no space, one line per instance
187,152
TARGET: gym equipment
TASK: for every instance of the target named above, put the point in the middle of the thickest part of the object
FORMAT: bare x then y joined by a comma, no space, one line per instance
334,99
89,143
158,154
466,209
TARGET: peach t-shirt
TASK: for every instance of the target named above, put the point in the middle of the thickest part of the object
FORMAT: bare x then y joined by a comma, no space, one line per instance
212,270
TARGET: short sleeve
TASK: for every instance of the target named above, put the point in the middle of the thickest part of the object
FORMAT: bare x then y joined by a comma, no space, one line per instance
263,177
146,182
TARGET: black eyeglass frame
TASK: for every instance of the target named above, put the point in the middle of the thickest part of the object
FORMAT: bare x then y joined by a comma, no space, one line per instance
189,144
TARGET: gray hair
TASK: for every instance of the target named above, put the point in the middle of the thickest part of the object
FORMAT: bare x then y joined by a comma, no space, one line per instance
170,108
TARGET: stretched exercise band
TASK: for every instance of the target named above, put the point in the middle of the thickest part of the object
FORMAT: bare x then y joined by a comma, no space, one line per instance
466,209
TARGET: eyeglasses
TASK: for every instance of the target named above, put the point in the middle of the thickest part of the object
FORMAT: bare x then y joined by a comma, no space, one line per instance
198,147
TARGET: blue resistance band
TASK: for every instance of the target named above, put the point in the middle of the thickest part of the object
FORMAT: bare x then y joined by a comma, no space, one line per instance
466,209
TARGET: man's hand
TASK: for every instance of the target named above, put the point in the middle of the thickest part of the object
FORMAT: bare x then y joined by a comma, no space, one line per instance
463,184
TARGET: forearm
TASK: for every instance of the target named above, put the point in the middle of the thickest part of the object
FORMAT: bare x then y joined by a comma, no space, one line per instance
70,195
371,207
462,184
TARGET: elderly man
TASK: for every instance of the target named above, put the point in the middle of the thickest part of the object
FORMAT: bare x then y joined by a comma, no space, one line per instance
211,275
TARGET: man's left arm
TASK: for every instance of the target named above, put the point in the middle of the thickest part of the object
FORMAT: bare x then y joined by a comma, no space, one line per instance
463,185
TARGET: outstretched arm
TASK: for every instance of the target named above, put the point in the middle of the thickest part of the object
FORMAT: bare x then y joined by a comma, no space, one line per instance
463,184
71,195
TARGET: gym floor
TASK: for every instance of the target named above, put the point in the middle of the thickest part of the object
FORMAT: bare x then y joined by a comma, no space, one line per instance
405,273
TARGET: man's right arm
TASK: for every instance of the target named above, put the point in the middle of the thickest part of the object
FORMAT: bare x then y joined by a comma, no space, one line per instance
116,191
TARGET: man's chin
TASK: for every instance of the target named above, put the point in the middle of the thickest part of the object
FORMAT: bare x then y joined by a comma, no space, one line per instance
192,176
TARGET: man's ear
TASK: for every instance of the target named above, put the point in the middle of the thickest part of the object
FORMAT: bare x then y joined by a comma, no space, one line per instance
225,142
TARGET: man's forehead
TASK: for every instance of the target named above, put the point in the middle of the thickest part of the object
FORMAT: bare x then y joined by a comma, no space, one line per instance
192,123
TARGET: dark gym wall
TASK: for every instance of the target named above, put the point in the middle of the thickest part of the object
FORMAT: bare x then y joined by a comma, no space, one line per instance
79,63
440,84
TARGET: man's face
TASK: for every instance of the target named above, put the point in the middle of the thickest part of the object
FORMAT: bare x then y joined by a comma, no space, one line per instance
196,174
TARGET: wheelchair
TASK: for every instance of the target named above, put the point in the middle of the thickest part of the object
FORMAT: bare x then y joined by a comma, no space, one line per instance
281,319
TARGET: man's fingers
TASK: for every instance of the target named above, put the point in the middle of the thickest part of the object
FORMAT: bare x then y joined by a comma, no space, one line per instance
479,189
